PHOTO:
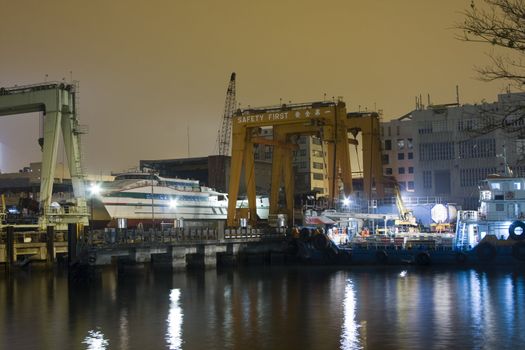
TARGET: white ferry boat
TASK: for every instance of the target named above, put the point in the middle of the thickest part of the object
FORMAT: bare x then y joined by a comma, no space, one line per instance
142,197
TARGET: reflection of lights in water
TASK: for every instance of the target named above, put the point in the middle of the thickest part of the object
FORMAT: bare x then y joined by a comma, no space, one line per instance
349,334
403,273
123,331
174,333
95,340
443,306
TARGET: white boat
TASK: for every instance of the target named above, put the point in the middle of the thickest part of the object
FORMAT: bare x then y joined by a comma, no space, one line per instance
142,197
500,214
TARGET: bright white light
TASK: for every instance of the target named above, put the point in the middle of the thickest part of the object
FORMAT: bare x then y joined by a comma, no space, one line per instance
346,202
403,273
173,203
95,189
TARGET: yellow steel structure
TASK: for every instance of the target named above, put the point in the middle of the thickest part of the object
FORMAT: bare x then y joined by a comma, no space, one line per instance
327,120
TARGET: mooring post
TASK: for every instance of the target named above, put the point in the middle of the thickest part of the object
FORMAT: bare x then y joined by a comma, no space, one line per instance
72,238
10,240
50,244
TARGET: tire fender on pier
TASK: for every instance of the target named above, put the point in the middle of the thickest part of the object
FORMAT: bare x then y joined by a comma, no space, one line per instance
512,230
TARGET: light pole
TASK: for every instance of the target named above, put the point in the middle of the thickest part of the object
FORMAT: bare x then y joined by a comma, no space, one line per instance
94,190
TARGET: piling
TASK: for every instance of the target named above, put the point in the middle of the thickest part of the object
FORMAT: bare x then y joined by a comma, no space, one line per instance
10,241
50,244
72,238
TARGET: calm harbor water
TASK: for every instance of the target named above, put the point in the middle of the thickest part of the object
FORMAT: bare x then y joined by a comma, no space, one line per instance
264,308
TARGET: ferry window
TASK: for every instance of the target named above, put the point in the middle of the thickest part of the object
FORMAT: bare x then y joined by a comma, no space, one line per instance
517,185
221,197
495,186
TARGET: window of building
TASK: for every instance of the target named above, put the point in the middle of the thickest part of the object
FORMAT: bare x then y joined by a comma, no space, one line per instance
256,155
316,140
317,153
388,145
436,151
402,185
388,171
317,165
389,131
478,148
400,156
268,152
410,185
318,190
472,177
302,140
409,144
400,144
427,179
401,171
385,159
302,165
410,155
520,147
410,169
318,176
398,130
302,152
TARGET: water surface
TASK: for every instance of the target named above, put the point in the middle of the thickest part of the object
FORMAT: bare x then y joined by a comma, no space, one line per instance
264,308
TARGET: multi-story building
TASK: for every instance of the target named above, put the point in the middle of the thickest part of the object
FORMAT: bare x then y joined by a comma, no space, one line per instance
308,162
398,151
455,146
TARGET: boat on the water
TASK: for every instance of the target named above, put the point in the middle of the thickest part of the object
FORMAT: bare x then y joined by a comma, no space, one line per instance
492,235
142,198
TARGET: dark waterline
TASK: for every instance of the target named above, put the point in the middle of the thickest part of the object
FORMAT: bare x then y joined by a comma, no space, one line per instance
264,308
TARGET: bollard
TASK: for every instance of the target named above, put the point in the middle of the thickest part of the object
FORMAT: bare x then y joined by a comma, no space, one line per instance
50,244
10,241
72,237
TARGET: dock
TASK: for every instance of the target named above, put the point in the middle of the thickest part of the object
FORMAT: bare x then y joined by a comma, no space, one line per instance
177,247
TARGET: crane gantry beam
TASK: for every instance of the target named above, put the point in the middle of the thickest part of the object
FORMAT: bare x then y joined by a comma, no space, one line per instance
328,120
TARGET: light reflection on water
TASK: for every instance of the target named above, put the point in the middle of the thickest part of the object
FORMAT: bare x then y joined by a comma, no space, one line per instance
264,308
174,332
95,340
349,332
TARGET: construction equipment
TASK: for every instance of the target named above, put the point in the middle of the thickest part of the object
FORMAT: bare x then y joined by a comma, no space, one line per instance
226,127
326,120
406,216
57,102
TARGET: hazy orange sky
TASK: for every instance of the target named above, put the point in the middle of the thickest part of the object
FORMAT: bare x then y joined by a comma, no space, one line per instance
148,70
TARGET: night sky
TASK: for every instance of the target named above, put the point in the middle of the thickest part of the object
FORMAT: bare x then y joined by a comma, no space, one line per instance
149,70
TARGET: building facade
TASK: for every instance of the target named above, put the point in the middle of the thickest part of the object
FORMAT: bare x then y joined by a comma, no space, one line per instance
455,146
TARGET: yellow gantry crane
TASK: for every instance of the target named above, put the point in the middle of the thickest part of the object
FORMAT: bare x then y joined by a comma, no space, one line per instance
328,121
